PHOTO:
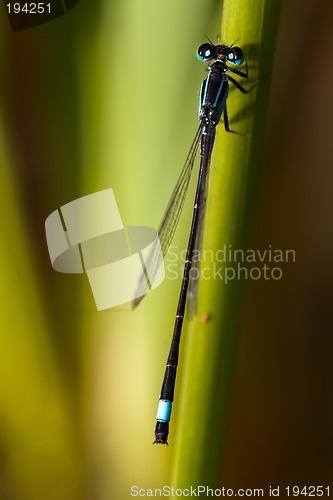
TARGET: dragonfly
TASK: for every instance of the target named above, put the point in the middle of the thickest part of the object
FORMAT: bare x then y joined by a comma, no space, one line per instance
212,105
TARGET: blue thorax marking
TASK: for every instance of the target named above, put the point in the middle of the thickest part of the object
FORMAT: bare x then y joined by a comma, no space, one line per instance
214,92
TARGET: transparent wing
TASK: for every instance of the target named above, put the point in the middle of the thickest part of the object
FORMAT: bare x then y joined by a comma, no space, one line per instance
169,222
192,293
174,209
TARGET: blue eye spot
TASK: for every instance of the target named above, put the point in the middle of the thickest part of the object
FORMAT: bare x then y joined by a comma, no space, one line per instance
231,56
207,53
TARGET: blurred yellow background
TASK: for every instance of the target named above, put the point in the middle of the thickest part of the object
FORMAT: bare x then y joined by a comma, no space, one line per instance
106,96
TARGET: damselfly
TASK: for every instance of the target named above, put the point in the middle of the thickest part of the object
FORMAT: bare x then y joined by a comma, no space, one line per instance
213,103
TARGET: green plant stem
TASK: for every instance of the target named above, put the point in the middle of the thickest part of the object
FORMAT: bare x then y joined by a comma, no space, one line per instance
212,336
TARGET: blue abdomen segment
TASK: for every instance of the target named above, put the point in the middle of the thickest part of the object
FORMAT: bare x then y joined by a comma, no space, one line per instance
164,411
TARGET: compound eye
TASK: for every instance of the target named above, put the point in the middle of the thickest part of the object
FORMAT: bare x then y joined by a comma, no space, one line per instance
235,55
206,52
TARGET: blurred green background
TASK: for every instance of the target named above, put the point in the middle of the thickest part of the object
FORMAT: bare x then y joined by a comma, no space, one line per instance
106,96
